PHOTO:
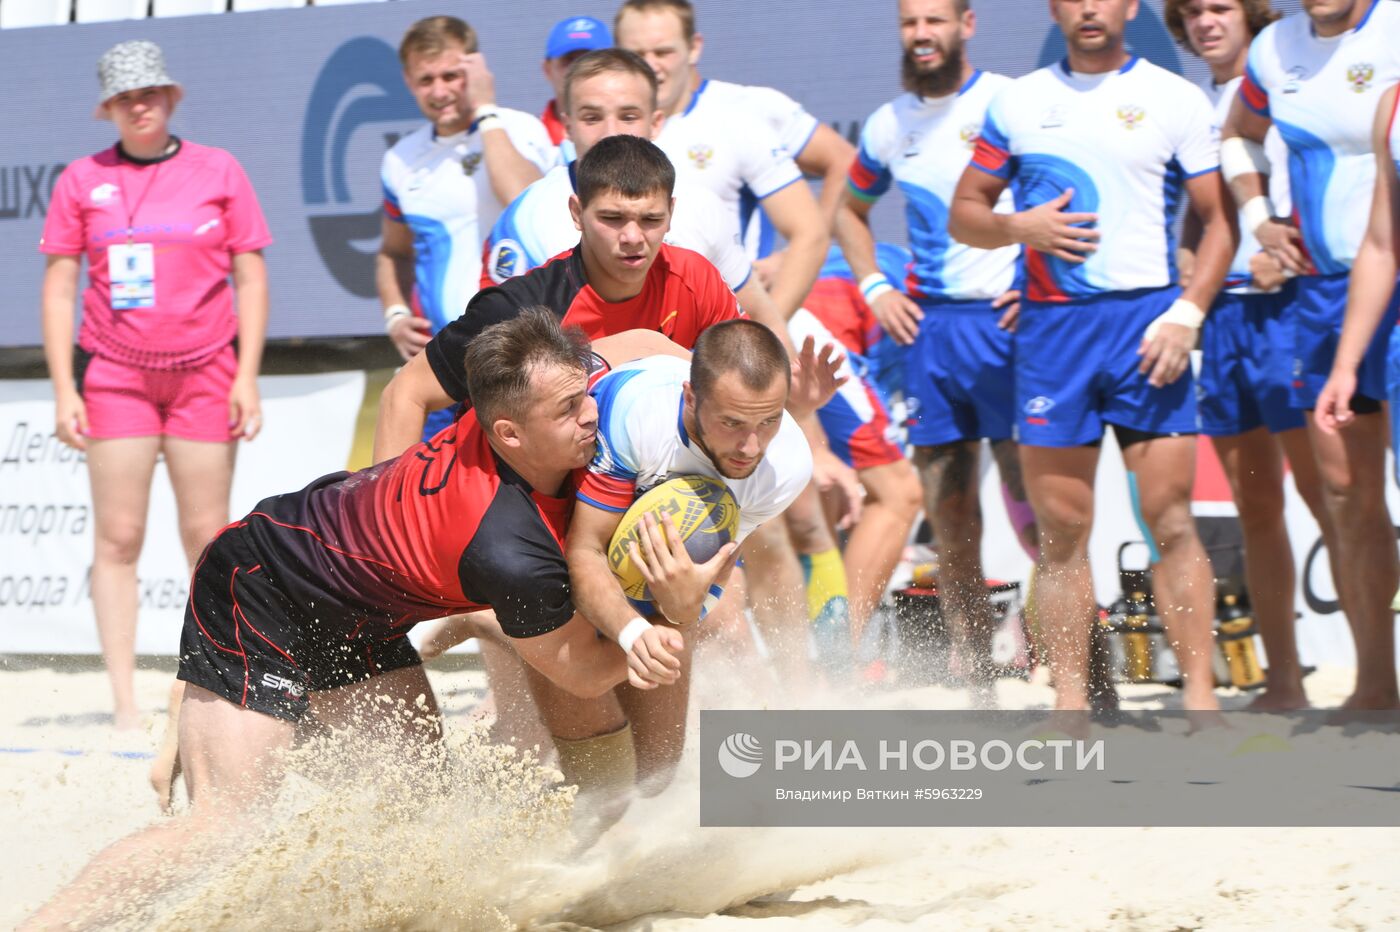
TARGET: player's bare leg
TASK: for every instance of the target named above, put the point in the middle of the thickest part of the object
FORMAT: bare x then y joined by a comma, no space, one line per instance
1182,581
230,760
1253,463
1060,483
1352,464
779,606
892,502
949,474
596,750
165,767
517,721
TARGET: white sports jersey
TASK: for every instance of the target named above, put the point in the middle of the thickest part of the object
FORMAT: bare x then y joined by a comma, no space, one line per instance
787,118
642,442
923,144
735,152
1126,142
537,226
1322,94
441,188
1222,96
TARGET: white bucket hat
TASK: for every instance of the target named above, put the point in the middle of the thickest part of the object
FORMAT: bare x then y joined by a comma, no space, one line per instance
129,66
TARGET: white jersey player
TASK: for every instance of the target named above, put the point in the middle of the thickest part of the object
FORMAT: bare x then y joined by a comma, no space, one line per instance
643,440
440,188
1318,76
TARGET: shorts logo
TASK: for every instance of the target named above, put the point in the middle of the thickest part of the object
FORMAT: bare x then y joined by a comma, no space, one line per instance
471,162
1131,115
700,154
1359,76
293,689
1037,408
507,260
103,193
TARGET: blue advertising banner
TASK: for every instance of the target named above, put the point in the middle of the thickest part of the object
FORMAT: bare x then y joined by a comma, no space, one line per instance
309,99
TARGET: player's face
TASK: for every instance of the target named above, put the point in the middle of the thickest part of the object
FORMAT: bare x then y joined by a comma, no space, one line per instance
1093,25
1329,11
439,83
932,34
734,424
621,236
659,37
611,104
1216,29
561,428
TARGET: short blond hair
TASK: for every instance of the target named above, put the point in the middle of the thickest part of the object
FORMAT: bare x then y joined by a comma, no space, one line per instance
432,35
683,9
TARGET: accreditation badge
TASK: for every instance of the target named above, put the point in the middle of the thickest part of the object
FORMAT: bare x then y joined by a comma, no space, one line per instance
132,268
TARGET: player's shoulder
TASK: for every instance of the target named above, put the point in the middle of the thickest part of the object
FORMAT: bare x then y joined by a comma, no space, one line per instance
987,84
685,268
411,144
787,463
519,120
641,397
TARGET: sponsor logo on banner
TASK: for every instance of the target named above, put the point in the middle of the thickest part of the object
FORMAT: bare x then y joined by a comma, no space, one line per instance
360,85
25,190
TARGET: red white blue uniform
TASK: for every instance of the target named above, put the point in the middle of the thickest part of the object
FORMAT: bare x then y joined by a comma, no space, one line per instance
1322,94
1247,338
958,383
1125,141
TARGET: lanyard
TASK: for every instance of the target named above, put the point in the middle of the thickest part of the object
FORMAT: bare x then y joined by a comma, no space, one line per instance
155,165
130,211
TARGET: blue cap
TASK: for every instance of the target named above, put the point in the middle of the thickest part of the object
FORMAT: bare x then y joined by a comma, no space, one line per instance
577,33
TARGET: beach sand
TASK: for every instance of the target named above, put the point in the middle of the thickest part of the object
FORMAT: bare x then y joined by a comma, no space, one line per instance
69,786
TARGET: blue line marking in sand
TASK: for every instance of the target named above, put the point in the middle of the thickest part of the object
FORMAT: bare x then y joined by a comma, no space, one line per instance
78,752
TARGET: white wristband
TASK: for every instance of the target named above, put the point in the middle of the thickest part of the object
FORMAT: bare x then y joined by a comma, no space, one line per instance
628,636
1240,156
394,311
1256,212
874,285
1182,312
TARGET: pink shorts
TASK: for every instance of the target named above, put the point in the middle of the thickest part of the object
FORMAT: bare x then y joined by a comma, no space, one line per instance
127,401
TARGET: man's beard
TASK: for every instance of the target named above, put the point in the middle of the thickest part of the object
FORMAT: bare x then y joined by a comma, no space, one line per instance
941,81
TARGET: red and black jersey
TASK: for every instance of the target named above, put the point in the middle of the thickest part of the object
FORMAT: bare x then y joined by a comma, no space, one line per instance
683,294
447,527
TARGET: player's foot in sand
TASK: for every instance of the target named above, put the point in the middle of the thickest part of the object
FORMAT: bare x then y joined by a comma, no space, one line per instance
1279,699
126,719
1364,701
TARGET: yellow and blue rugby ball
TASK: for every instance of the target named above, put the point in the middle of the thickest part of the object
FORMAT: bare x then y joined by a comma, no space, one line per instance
705,515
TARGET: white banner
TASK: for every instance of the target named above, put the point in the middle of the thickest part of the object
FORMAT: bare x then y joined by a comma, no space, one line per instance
46,521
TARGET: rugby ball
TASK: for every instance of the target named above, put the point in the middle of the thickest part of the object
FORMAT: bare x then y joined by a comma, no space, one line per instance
705,515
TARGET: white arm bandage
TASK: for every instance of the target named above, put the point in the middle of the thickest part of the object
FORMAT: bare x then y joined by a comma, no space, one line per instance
1256,212
1240,156
628,636
1181,312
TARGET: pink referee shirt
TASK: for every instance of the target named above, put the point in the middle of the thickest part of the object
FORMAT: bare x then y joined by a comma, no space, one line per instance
198,210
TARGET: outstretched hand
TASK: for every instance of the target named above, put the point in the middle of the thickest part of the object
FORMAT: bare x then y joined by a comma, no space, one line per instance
814,377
